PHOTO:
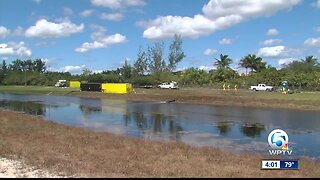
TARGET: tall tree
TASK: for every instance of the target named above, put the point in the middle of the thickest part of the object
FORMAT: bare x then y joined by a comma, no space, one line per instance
223,62
86,72
140,66
125,71
245,63
309,64
310,59
260,65
4,67
176,53
17,65
254,62
40,66
29,65
155,57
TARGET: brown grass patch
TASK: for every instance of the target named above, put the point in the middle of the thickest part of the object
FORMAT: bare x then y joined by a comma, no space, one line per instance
69,151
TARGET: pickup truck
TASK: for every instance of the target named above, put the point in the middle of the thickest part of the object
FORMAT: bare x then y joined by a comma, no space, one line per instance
172,85
262,87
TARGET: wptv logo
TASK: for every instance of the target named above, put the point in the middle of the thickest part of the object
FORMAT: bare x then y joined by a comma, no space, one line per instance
279,142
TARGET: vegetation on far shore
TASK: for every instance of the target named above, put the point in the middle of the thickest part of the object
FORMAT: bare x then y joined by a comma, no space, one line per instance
152,66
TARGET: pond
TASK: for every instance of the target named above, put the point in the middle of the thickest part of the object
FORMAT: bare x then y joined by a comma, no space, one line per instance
232,128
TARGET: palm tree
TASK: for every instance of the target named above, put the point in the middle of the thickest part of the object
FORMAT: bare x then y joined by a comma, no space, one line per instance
259,66
310,59
244,62
253,62
223,62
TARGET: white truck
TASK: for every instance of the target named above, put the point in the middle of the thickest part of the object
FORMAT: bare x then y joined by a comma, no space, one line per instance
172,85
262,87
61,83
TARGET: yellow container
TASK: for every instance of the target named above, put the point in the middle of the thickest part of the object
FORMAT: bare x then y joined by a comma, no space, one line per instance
117,88
75,84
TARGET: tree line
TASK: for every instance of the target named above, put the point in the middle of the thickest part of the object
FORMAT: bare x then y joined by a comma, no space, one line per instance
152,66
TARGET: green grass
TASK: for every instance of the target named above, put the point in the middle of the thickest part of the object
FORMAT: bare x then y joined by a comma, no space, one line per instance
304,96
36,90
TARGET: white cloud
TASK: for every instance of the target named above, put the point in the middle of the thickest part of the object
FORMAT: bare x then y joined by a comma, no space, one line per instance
166,27
45,29
272,52
49,62
271,42
67,11
217,15
69,68
4,32
317,29
286,61
87,46
118,4
101,41
316,4
5,50
273,32
97,71
112,16
15,49
246,8
22,50
87,12
225,41
207,68
312,42
209,52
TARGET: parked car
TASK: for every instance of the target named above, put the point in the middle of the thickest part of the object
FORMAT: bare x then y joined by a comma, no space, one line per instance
147,86
262,87
171,85
61,83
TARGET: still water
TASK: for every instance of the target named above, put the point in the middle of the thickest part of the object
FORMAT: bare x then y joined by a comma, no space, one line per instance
232,128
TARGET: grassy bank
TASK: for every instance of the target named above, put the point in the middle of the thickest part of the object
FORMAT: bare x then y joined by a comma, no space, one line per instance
36,90
68,151
246,98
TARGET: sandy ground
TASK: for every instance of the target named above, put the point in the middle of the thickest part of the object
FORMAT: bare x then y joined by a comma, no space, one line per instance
16,169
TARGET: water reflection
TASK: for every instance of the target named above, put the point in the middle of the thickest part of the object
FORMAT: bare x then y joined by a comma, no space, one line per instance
200,125
252,130
155,123
86,110
29,108
224,127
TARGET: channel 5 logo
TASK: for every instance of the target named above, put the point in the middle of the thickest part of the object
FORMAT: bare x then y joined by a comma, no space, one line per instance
279,142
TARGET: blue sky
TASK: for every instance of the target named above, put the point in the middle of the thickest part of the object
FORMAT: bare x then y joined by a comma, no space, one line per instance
100,34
